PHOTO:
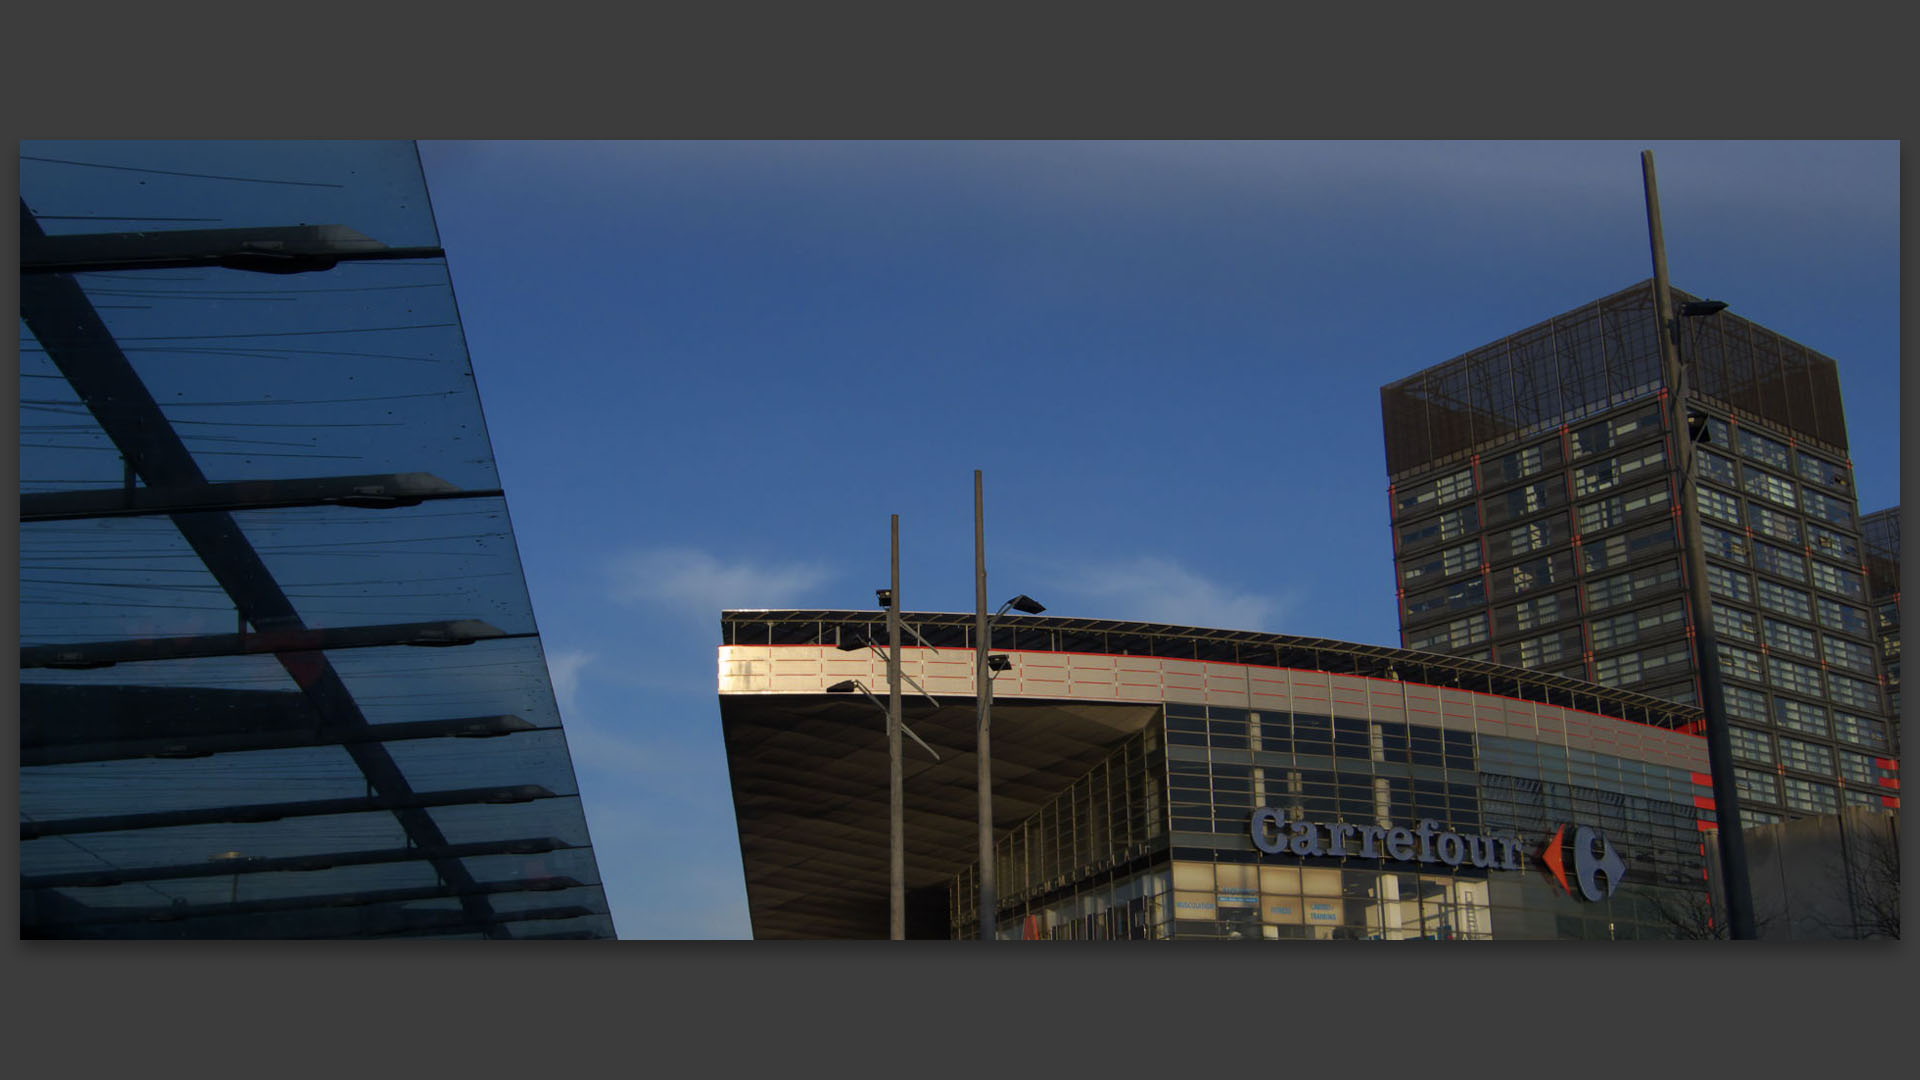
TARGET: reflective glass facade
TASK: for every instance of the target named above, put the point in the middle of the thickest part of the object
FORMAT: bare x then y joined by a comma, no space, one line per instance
280,676
1880,536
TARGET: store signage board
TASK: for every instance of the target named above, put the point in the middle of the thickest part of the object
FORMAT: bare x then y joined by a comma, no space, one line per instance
1594,858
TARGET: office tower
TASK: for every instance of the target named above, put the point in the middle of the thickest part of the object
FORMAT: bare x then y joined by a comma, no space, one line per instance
1531,496
1880,532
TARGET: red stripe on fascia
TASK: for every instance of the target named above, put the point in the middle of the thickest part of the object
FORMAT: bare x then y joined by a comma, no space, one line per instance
1889,800
1887,763
1707,826
1703,779
1890,782
1704,802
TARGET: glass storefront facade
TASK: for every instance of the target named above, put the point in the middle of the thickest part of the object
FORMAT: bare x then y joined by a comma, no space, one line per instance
1152,782
1091,867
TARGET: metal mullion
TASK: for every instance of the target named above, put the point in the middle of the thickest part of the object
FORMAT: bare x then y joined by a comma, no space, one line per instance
58,312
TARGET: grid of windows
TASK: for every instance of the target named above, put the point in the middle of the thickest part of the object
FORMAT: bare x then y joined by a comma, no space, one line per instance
1848,654
1458,634
1799,716
1779,561
1451,525
1714,467
1773,524
1457,597
1620,509
1728,584
1444,563
1533,536
1533,575
1621,548
1734,623
1740,663
1854,692
1543,650
1845,618
1620,630
1812,797
1799,678
1772,488
1856,768
1438,492
1830,578
1863,798
1718,505
1764,450
1825,473
1805,756
1745,704
1603,475
1750,745
1826,507
1832,544
1526,501
1718,433
1615,431
1755,786
1520,464
1859,730
1790,638
1722,544
1783,600
1626,669
1634,584
1541,611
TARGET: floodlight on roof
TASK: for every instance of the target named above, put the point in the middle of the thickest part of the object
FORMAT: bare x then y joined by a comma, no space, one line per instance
846,687
999,662
1695,308
1026,604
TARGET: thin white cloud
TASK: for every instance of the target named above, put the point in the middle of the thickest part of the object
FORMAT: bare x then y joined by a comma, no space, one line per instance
563,667
1153,589
691,582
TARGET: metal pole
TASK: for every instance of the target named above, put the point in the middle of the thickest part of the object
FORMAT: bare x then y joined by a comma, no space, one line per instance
1726,797
983,692
897,802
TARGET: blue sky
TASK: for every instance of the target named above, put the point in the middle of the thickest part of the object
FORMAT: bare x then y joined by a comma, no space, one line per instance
712,370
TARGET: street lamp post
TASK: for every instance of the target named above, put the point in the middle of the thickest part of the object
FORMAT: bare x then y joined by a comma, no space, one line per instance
1726,798
983,691
895,797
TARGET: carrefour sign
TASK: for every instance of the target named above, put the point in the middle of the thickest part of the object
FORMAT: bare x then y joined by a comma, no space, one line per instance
1593,855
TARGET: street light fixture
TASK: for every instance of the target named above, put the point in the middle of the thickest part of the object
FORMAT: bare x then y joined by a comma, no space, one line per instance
984,668
848,686
1726,797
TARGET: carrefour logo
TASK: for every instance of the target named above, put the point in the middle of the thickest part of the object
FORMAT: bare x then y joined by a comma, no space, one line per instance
1589,863
1595,863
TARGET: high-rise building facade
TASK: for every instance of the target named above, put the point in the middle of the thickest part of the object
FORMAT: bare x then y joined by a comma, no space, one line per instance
1532,491
1880,532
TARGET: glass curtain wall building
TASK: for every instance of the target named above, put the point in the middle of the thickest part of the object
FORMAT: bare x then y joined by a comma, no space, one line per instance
279,671
1531,494
1172,782
1880,532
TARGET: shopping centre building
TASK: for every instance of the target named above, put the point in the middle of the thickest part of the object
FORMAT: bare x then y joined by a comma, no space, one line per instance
1156,781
